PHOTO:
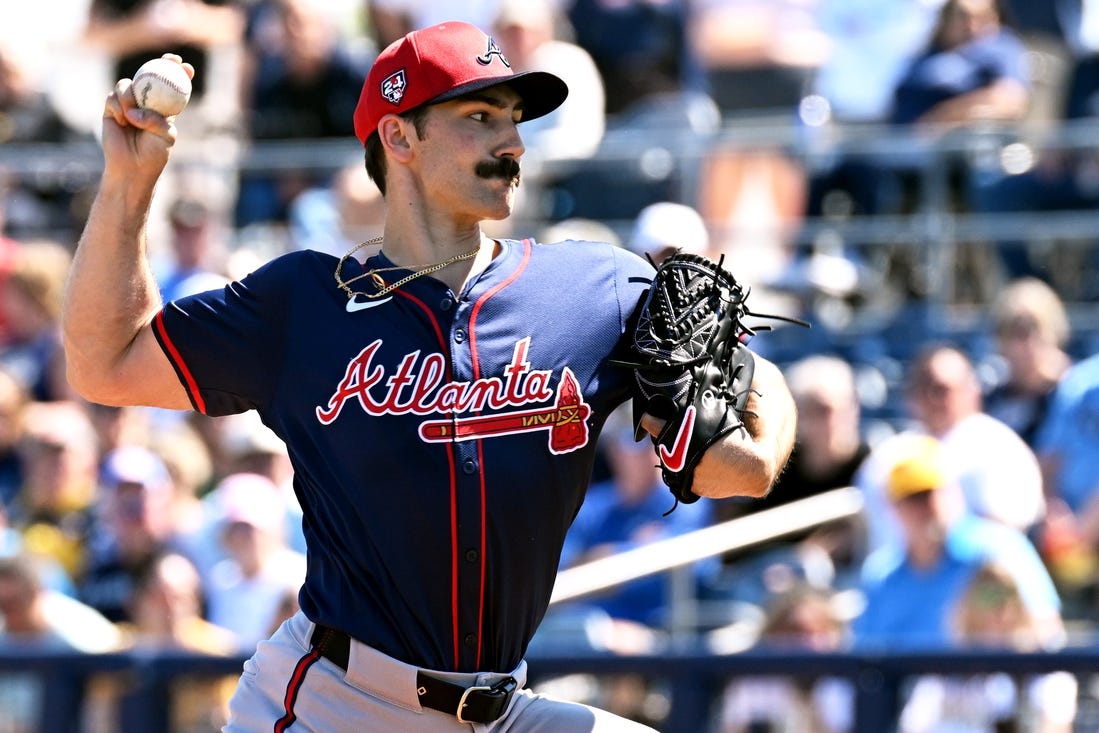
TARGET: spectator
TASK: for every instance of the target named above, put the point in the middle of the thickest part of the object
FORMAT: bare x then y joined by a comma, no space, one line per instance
303,88
166,609
211,431
998,473
116,427
1067,438
30,298
830,446
295,85
134,524
336,216
666,226
32,612
1055,35
910,591
187,458
252,447
640,47
13,400
839,124
530,33
753,199
829,450
39,619
41,204
758,55
872,44
188,462
801,619
196,260
166,616
972,70
236,443
1032,331
29,115
1066,446
285,609
50,572
997,470
655,97
536,36
246,590
131,32
991,614
53,509
209,34
391,19
229,442
1062,173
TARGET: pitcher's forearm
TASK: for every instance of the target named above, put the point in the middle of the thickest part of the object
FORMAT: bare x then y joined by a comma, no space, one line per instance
748,461
111,293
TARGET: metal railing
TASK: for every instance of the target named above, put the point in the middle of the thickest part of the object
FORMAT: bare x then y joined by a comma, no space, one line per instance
693,678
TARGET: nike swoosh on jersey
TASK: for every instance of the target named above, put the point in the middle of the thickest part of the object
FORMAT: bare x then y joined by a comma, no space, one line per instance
354,305
675,459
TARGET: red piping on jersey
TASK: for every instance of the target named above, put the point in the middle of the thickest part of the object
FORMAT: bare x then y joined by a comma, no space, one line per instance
293,688
484,298
455,633
480,443
189,379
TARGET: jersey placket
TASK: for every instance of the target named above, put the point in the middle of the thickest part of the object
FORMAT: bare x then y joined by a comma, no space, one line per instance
469,505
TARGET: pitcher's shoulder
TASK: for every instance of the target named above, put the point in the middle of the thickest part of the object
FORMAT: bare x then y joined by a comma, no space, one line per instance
582,253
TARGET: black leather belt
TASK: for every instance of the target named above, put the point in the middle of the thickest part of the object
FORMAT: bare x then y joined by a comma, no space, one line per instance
477,704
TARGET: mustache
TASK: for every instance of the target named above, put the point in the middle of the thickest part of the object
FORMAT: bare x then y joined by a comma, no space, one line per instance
506,168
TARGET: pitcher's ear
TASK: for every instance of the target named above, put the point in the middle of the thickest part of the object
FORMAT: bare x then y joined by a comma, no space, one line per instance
393,133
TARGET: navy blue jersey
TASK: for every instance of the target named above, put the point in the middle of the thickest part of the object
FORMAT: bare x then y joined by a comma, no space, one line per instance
441,445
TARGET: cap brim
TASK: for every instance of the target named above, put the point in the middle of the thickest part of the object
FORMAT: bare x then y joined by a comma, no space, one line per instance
907,492
541,91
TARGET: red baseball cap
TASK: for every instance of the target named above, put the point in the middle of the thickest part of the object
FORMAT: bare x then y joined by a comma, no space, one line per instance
443,62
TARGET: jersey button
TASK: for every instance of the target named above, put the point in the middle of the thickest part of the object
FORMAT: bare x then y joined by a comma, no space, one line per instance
470,640
446,304
459,335
470,466
471,555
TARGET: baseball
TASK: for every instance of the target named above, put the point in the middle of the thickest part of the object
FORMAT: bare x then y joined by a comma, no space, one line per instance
162,86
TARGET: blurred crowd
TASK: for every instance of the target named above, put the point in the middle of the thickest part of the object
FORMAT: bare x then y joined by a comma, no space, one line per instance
973,450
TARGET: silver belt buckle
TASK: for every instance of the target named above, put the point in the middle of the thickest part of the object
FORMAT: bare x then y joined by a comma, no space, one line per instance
462,702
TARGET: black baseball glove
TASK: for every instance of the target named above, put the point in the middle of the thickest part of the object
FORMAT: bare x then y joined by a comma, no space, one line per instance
692,367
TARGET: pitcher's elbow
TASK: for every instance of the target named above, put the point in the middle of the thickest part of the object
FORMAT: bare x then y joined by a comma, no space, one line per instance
90,384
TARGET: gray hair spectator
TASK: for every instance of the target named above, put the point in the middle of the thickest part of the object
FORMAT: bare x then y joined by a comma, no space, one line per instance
665,226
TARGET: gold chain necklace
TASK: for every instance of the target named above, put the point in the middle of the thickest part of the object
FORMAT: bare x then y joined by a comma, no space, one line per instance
379,283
